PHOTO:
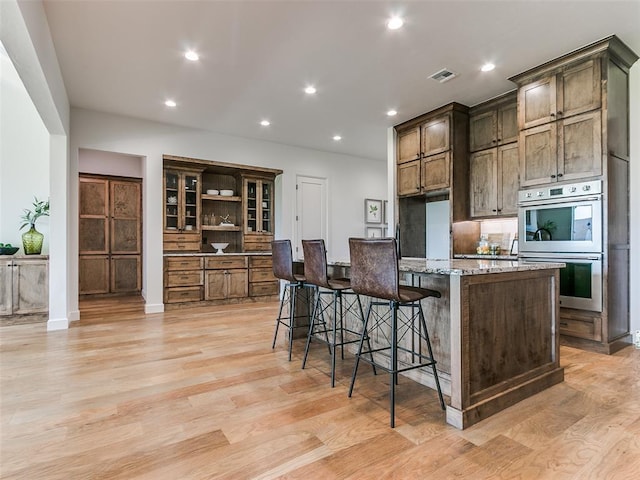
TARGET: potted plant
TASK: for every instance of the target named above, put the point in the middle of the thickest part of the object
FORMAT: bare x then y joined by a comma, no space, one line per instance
32,240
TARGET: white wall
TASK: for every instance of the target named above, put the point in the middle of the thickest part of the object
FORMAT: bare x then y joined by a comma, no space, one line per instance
109,163
350,179
24,157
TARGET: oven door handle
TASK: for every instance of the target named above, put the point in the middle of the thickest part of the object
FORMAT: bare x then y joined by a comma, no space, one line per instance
555,201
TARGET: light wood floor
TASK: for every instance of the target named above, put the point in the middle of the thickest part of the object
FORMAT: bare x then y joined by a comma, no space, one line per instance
199,393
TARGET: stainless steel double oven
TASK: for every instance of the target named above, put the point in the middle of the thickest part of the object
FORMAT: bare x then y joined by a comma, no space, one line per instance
564,224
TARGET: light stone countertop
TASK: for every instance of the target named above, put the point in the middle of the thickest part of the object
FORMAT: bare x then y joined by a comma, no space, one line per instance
212,254
467,266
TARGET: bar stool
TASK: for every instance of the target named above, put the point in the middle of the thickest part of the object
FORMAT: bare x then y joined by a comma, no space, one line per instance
282,259
315,260
375,273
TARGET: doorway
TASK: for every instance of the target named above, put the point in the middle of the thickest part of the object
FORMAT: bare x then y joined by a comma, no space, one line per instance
110,235
311,210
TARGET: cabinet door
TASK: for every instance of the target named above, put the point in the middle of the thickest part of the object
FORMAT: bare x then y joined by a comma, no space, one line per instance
266,207
580,146
538,162
537,102
258,215
93,274
435,172
579,89
435,136
237,283
190,201
126,221
409,178
409,145
30,286
483,129
507,124
214,285
125,274
484,190
508,179
94,216
6,284
171,213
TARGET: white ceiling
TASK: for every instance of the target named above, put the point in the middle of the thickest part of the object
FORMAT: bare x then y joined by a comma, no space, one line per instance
125,57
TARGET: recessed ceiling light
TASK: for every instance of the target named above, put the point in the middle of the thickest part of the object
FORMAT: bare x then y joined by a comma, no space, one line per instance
191,55
310,90
337,138
391,113
394,23
265,123
170,103
487,67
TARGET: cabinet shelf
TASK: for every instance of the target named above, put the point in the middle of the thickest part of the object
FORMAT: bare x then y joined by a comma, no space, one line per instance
221,198
218,228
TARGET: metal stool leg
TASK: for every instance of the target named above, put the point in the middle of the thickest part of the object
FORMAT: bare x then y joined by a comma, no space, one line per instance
394,363
433,365
292,313
278,319
359,352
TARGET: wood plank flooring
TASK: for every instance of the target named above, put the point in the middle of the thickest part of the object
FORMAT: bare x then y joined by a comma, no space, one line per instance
198,393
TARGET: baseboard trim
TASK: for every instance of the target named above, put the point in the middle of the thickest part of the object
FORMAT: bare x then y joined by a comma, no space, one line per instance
54,324
74,315
153,307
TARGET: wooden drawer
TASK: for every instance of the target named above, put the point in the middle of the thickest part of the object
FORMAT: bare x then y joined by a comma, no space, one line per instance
263,288
184,278
225,262
183,263
183,294
257,247
181,237
261,275
182,246
260,261
579,325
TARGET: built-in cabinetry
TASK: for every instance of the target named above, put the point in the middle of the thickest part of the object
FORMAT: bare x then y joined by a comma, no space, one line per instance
432,164
493,163
215,278
573,115
214,202
560,122
110,228
24,287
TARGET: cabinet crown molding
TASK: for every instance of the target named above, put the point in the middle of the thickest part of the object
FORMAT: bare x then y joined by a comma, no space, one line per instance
611,45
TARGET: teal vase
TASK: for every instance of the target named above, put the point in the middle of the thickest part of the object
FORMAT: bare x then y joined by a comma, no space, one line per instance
32,241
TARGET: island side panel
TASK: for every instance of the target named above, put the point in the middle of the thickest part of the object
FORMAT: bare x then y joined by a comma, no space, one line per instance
508,347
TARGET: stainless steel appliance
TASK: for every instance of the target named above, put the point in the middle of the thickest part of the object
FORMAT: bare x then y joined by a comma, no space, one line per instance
564,224
566,218
580,280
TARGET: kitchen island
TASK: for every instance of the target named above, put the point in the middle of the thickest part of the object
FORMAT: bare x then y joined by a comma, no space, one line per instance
494,331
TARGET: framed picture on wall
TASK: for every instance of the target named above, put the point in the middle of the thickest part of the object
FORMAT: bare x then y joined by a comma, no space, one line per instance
373,232
372,210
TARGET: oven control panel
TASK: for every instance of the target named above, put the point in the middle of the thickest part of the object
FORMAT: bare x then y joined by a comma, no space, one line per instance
538,194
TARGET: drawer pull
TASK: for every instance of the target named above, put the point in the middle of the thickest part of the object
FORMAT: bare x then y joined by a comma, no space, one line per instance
564,324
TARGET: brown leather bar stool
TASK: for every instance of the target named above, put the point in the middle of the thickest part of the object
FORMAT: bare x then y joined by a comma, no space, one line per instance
315,262
282,259
375,273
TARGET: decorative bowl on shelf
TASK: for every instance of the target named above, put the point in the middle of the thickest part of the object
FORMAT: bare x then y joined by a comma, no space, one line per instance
8,250
213,192
226,193
219,247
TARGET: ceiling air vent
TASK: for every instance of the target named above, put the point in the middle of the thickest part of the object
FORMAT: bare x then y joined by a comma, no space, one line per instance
443,75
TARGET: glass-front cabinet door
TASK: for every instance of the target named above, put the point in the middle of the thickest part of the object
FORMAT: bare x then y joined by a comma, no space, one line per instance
258,206
181,201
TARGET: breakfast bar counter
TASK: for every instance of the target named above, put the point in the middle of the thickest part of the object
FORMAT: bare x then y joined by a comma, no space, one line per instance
494,331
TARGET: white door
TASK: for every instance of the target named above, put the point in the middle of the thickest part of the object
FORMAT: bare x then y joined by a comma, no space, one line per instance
311,211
